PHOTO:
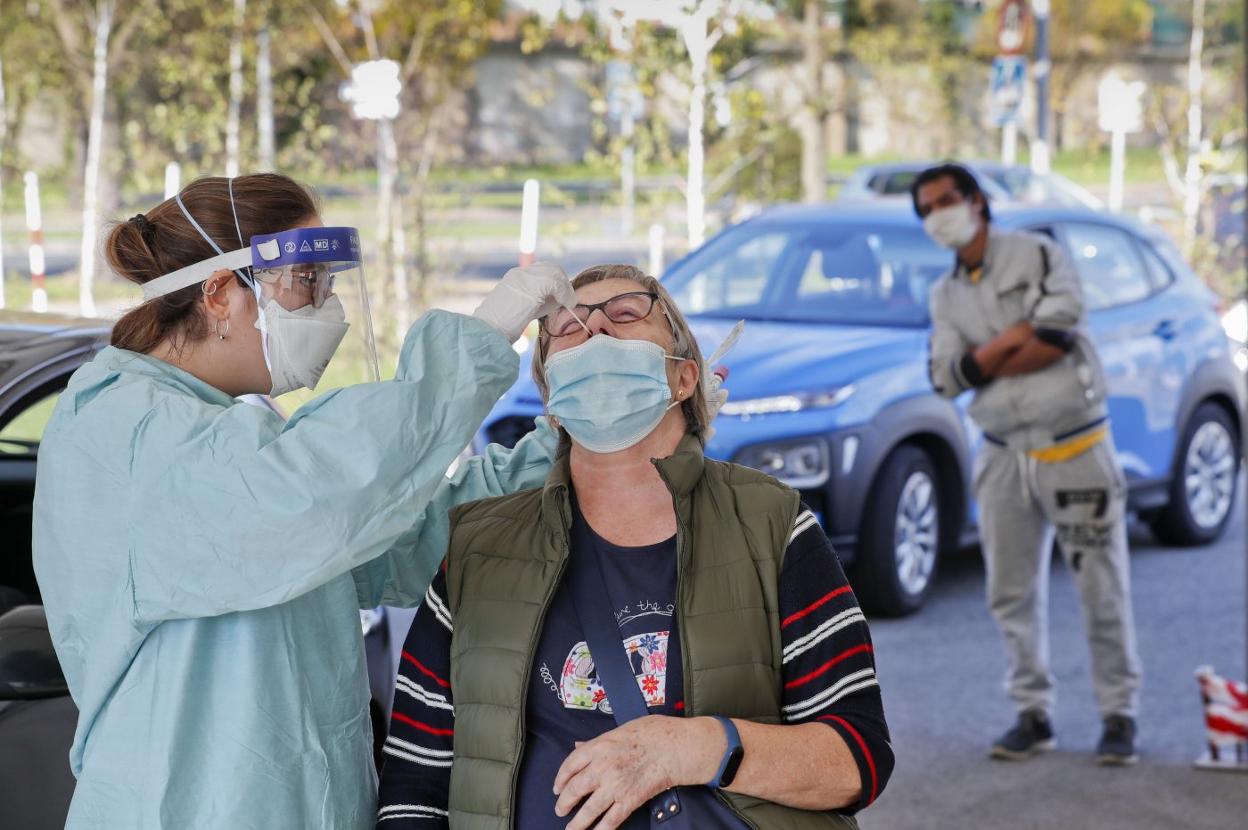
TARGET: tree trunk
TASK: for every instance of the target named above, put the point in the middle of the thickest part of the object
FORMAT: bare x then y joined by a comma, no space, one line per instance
698,46
264,101
428,152
387,158
1192,179
232,154
814,115
91,179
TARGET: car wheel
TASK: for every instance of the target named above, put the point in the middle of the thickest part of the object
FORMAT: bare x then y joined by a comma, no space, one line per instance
1202,489
899,545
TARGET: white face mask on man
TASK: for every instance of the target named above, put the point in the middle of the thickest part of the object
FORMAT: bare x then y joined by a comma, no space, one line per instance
954,226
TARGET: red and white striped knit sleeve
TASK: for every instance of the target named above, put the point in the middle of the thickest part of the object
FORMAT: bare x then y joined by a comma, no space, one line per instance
829,668
416,774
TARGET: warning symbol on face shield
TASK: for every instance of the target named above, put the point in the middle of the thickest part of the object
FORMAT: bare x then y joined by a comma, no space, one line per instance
334,244
305,247
290,247
321,244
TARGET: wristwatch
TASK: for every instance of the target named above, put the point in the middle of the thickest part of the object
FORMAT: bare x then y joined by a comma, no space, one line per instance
733,755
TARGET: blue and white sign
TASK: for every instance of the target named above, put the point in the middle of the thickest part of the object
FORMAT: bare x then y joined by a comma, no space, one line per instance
1009,75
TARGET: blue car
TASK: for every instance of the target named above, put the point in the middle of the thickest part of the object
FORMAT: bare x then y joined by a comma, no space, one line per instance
830,393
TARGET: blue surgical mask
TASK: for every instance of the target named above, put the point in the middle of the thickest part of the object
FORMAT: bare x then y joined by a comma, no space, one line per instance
608,393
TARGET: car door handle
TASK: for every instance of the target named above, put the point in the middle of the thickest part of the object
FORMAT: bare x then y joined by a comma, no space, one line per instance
1165,330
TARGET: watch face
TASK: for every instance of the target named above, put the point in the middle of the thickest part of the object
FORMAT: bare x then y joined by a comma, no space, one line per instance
730,769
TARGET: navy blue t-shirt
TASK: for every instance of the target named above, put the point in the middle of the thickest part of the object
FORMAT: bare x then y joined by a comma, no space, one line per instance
567,704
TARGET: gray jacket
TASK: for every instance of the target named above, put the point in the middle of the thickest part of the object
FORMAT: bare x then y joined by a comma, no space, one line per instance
1025,276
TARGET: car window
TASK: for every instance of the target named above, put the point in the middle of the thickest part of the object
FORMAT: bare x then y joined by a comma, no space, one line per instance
1158,273
1107,262
737,278
820,272
23,432
899,184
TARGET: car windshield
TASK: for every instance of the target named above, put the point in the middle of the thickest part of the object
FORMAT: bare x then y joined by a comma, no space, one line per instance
816,273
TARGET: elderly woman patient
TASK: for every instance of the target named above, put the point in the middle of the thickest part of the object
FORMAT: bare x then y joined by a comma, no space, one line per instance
650,638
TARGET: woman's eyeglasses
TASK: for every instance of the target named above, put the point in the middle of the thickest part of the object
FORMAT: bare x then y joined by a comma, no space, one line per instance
621,309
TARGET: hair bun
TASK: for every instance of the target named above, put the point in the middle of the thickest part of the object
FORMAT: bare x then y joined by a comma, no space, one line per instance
144,227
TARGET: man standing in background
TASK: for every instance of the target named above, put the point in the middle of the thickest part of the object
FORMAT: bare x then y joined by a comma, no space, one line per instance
1008,322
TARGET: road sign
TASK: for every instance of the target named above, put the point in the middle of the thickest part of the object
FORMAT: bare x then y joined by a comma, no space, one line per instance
373,90
1012,27
1119,107
1008,76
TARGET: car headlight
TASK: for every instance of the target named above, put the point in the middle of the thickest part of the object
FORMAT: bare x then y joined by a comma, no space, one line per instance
800,464
796,402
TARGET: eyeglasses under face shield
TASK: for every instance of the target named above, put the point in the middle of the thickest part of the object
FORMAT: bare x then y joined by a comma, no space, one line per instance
302,268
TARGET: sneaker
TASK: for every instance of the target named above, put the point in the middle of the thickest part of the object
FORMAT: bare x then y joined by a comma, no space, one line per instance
1117,746
1032,734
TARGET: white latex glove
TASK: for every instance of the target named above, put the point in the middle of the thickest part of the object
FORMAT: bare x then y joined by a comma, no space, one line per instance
523,295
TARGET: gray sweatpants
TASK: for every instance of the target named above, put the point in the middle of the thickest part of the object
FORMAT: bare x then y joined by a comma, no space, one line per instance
1022,502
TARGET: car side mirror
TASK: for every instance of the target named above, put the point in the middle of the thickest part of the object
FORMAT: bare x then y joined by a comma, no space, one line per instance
28,665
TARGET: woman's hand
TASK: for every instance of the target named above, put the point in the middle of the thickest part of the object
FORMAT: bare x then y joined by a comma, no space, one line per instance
619,771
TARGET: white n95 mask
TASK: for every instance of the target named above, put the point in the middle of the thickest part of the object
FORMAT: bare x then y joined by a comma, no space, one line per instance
299,344
954,226
609,394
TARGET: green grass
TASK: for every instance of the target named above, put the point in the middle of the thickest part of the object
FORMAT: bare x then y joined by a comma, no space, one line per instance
29,425
63,288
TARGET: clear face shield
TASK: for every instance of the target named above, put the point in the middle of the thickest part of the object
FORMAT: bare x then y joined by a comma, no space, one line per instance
312,302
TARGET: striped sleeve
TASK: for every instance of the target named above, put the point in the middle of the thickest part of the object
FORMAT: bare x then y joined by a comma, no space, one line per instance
829,668
416,773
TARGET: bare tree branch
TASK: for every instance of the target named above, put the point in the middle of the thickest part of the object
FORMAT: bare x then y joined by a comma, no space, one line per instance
331,41
117,49
370,35
71,38
416,51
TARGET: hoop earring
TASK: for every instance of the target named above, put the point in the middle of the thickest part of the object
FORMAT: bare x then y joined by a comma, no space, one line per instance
221,335
208,293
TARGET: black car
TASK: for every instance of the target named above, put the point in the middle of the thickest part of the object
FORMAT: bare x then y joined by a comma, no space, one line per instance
38,354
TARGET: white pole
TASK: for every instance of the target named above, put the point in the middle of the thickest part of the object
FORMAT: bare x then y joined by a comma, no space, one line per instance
698,46
528,221
385,189
173,179
236,91
1009,142
95,142
264,101
402,294
1195,115
656,251
34,224
1117,167
1040,162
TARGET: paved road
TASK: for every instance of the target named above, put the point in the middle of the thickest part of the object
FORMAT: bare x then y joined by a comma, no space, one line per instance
941,672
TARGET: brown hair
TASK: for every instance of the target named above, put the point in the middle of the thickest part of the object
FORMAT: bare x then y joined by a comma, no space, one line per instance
697,417
162,241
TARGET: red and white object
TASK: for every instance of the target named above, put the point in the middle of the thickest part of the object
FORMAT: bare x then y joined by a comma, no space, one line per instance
1226,722
34,224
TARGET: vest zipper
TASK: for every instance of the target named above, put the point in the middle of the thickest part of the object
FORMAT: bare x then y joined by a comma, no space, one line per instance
685,665
528,671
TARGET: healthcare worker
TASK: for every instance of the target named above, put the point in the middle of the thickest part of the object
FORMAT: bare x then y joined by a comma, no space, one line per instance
202,561
1008,322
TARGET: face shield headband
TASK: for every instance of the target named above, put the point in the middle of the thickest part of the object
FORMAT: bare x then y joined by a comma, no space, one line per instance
336,248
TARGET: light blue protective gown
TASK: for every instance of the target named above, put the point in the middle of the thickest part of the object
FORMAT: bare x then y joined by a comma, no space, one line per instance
202,563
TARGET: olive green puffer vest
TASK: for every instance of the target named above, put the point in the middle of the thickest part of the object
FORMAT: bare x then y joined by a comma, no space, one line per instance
506,558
